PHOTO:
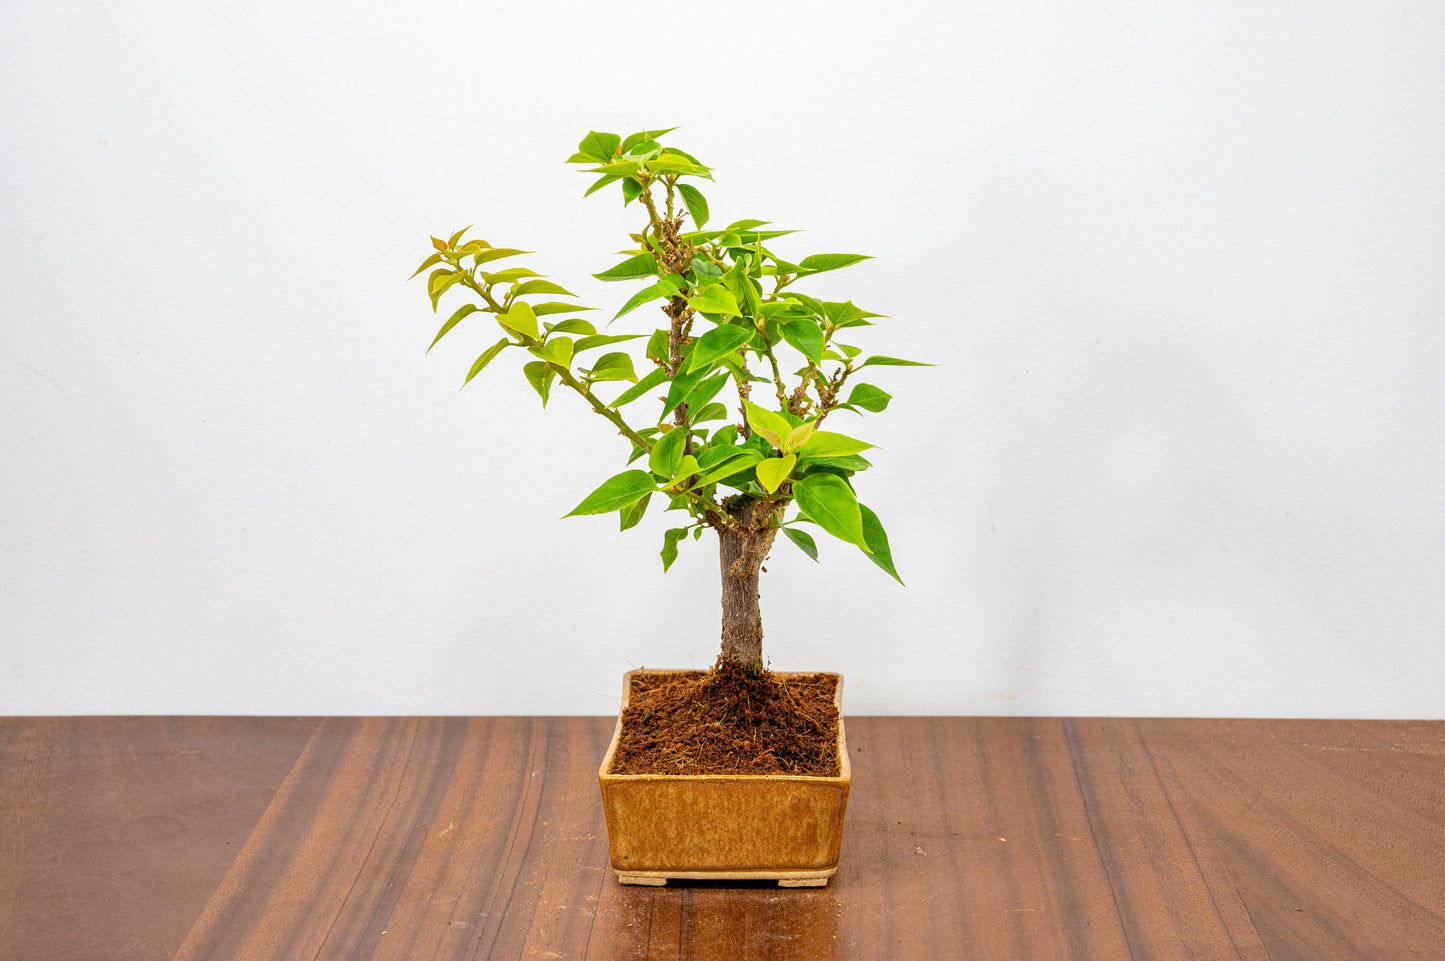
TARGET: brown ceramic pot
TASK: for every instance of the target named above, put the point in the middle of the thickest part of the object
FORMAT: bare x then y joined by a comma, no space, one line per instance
724,826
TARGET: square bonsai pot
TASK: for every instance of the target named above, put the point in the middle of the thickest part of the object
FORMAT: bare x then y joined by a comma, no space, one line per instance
779,827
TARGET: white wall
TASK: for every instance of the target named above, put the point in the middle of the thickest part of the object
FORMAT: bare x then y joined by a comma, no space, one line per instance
1185,270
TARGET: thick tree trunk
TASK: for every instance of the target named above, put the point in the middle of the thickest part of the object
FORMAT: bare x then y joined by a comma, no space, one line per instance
740,556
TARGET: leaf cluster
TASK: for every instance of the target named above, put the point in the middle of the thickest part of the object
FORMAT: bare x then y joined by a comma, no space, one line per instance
728,393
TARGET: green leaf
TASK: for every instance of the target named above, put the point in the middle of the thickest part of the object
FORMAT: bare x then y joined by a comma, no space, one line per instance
602,340
650,382
553,307
681,386
455,319
486,359
633,513
715,300
458,235
631,190
829,500
431,261
696,203
616,493
540,375
877,540
799,436
522,319
710,412
439,281
686,468
642,136
672,164
774,470
669,545
642,265
818,263
497,253
598,147
614,366
804,540
828,444
851,463
771,426
508,276
540,287
618,168
806,337
574,325
667,453
847,315
705,391
815,307
600,182
716,343
719,451
869,397
741,459
557,350
662,289
892,362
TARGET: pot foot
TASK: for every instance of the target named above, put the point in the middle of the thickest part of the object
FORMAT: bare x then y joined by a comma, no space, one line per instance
802,882
648,879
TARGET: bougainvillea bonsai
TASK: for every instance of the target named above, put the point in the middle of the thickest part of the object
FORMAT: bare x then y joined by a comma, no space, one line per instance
732,390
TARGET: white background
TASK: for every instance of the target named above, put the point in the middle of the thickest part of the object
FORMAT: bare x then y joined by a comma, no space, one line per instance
1183,268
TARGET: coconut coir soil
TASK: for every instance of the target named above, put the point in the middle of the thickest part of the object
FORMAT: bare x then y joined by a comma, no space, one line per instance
724,721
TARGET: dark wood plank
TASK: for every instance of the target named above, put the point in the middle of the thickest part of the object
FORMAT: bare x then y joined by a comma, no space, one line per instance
1333,849
113,831
966,837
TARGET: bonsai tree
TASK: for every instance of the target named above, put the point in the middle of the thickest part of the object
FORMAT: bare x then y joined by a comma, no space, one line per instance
723,411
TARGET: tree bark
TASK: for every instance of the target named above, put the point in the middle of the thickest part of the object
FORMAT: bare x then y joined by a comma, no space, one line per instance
740,556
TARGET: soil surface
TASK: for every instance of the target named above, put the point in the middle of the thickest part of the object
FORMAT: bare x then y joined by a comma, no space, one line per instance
724,721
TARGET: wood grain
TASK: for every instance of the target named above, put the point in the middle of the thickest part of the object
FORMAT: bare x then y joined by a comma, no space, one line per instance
979,838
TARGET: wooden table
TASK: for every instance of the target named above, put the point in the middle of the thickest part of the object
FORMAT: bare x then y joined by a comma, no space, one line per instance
973,838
